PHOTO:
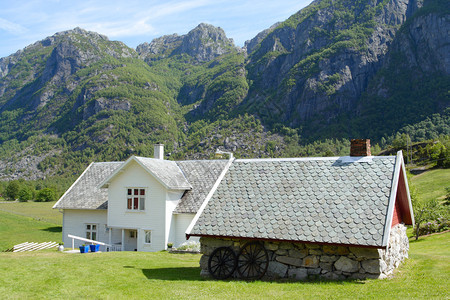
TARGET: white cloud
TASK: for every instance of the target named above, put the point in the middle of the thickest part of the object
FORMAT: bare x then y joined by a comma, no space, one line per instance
120,28
11,27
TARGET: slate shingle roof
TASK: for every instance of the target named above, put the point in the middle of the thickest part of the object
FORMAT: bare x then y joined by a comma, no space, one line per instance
197,177
312,200
167,172
84,193
201,174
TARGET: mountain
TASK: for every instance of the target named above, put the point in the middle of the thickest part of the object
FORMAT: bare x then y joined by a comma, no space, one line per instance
321,64
335,70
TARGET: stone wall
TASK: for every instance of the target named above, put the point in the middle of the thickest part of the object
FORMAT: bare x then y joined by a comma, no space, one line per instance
300,261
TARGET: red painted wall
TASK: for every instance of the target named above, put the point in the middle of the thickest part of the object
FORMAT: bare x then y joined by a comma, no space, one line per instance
397,217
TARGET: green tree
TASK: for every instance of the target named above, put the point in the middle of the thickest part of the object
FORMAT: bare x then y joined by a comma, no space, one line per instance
12,190
447,197
25,194
46,195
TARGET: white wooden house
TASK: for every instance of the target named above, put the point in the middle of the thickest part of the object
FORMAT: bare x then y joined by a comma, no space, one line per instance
356,201
141,204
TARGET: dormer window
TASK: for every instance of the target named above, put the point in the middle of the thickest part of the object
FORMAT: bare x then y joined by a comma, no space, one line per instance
136,199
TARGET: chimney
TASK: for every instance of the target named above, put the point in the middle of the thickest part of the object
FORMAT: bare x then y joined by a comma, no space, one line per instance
158,151
360,147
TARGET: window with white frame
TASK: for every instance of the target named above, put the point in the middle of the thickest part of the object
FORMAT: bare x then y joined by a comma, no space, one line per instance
136,198
91,231
148,236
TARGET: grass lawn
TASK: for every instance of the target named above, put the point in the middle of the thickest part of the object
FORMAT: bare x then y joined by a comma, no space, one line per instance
41,211
432,184
16,229
51,274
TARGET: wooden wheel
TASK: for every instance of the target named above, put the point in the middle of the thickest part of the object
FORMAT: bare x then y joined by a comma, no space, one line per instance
252,261
222,263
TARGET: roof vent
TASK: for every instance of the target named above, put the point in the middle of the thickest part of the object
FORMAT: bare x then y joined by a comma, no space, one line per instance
360,147
158,151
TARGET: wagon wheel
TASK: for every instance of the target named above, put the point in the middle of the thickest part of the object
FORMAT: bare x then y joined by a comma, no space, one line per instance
252,261
222,263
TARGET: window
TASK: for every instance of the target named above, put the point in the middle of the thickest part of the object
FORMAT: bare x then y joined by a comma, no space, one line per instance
148,236
91,231
133,234
135,199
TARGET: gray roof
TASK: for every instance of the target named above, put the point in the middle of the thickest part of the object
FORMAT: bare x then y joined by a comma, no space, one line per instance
167,172
84,193
201,174
324,200
196,177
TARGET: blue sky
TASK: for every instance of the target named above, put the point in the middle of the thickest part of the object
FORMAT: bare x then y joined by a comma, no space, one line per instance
136,21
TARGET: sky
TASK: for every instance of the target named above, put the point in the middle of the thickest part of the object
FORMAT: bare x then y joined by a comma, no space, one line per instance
23,22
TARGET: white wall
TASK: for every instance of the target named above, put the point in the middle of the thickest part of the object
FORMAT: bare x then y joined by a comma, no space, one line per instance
181,223
172,199
152,218
74,222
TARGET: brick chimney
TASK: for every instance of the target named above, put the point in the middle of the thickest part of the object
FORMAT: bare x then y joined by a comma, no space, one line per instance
158,152
360,147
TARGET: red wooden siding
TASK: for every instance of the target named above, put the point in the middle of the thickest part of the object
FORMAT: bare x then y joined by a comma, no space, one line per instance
397,217
401,210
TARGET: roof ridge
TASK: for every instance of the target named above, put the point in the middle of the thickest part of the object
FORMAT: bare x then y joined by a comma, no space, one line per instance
342,158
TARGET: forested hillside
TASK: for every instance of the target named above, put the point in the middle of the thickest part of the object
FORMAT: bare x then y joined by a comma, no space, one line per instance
335,70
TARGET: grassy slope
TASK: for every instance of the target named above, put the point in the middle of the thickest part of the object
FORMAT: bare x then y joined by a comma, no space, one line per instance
163,275
15,229
432,184
41,211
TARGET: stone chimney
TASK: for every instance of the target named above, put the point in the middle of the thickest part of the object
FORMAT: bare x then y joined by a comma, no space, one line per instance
360,147
158,151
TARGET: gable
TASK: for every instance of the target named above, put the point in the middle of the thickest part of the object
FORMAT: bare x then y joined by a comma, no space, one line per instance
322,200
401,205
165,171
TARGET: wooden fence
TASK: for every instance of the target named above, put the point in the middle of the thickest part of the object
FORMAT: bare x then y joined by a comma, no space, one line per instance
32,246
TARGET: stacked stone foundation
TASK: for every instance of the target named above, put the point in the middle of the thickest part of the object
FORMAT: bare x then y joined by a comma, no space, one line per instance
301,261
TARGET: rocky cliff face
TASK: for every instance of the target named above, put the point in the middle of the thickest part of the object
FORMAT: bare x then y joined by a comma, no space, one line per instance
411,83
425,43
320,66
204,43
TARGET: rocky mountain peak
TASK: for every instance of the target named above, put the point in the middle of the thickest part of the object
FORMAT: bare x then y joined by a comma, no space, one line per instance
160,46
204,43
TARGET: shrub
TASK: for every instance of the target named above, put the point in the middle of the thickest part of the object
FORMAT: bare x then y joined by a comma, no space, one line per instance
46,195
428,228
443,224
190,246
25,194
12,190
438,225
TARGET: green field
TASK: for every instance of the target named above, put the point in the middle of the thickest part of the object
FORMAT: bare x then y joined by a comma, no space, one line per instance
137,275
41,211
16,229
432,184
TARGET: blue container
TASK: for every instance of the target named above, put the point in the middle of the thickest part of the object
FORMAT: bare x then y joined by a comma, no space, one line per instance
84,249
94,248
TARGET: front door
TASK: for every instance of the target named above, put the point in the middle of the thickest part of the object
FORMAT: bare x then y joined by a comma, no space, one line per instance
131,240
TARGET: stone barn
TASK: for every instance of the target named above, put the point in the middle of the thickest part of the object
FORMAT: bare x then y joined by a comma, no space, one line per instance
331,218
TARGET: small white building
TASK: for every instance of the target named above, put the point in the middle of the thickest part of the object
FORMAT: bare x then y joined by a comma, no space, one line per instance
141,204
